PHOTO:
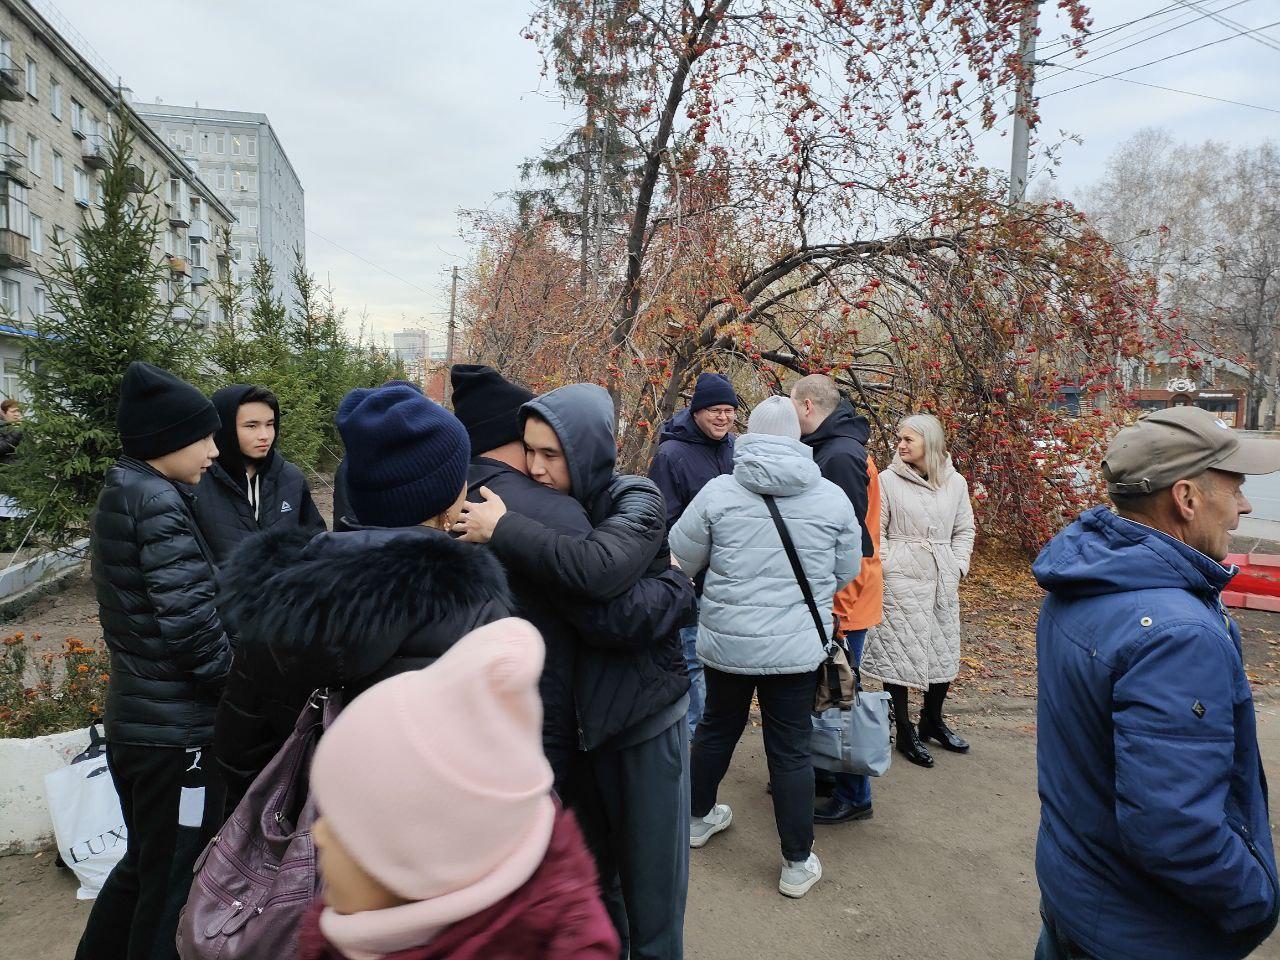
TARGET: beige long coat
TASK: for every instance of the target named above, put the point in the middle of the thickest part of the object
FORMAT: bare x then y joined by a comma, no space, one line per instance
926,542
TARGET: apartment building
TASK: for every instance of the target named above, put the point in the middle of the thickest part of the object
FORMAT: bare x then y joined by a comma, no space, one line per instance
239,155
57,112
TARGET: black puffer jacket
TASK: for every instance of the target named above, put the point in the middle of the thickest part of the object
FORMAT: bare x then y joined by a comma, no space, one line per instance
629,666
626,622
10,437
222,504
840,451
338,609
154,579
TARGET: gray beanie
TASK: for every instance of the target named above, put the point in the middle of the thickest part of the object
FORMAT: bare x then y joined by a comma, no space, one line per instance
776,416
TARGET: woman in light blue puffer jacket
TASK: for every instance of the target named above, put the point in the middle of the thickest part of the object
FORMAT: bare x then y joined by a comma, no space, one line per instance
755,632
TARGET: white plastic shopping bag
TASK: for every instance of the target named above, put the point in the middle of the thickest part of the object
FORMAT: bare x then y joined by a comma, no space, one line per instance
86,816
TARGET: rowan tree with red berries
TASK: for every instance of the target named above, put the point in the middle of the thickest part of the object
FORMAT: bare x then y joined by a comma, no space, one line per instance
802,197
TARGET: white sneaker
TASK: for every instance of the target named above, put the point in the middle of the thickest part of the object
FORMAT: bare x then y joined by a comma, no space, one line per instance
702,829
799,875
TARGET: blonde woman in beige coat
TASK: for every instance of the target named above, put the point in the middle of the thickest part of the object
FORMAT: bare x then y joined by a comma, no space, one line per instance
926,541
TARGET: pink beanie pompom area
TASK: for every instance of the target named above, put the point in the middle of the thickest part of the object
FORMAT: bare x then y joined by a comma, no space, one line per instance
435,780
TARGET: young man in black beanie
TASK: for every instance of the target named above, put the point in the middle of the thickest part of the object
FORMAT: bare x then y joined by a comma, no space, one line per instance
169,659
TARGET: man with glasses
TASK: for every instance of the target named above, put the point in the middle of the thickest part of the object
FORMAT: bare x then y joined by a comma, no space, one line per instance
695,446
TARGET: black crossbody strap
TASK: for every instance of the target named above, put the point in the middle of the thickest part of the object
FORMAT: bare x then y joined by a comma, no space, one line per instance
785,535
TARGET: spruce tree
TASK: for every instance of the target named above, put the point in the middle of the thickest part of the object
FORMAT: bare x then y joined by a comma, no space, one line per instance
109,304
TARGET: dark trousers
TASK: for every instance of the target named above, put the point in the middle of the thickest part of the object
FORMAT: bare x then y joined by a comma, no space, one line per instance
786,703
172,803
633,804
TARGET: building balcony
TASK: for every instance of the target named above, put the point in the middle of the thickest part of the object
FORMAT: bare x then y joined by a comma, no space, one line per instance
199,230
94,150
179,265
178,216
12,79
15,249
200,276
13,164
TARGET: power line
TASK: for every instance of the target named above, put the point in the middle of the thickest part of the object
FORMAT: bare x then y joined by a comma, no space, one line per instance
1151,63
1156,86
376,266
1165,13
1233,24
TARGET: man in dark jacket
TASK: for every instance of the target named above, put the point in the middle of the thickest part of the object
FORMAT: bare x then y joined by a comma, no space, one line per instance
489,406
838,437
1154,835
10,428
153,575
630,693
250,486
695,446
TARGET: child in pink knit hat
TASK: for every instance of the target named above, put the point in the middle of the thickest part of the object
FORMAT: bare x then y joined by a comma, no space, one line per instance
438,835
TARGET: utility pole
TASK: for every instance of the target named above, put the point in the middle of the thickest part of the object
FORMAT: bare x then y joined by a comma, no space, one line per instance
1024,103
453,306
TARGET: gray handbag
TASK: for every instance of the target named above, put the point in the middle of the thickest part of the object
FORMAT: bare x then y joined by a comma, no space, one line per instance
845,739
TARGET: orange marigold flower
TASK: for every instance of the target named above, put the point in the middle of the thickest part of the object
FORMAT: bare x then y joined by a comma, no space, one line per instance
82,668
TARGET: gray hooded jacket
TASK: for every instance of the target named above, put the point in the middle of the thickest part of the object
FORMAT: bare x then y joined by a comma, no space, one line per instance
753,617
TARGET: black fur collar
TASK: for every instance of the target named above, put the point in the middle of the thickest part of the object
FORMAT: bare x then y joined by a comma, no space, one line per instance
304,595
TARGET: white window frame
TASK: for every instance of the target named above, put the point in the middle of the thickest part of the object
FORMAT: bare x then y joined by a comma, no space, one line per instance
251,181
80,179
251,146
40,302
220,141
222,179
33,78
59,174
11,297
235,145
35,155
37,234
77,116
55,97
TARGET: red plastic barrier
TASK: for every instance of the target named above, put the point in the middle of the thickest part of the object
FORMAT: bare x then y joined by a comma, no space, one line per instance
1257,585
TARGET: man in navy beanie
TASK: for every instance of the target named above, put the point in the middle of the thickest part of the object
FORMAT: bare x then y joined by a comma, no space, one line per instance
694,447
153,575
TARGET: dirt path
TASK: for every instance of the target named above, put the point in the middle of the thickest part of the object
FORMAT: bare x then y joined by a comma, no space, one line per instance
943,872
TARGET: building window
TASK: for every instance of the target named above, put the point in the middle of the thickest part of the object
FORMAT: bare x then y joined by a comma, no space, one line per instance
81,186
221,141
55,98
253,181
195,253
204,143
40,302
189,140
59,237
10,297
79,253
253,217
35,155
57,171
16,212
33,79
235,145
251,146
222,179
77,116
37,234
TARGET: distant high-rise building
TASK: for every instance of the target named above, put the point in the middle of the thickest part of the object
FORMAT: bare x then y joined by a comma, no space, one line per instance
239,155
411,345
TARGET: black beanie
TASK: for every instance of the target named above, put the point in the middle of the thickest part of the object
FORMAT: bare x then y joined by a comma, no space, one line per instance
712,390
160,413
488,405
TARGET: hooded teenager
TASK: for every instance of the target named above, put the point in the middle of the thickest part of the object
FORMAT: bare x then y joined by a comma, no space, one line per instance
631,700
250,486
348,609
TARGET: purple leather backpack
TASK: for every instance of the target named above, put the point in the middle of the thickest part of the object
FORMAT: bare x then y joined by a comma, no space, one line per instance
255,879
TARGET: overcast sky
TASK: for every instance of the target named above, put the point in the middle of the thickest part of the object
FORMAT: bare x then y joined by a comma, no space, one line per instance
398,113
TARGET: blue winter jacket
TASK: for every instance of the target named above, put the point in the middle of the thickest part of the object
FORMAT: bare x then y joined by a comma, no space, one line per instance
1154,840
687,459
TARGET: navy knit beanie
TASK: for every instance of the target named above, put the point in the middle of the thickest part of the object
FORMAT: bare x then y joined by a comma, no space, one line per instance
406,456
712,390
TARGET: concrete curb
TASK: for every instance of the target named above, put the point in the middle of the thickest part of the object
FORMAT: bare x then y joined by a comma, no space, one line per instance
38,582
25,824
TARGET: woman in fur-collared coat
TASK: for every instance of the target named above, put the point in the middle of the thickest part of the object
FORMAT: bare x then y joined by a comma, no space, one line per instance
350,609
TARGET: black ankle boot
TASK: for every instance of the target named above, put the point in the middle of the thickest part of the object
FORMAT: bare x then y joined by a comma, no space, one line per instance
909,746
933,727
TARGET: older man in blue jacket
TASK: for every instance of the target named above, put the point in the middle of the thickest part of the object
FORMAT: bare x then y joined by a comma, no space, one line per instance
1154,838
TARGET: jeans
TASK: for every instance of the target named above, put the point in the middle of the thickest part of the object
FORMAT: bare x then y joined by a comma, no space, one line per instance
633,805
786,702
697,682
1054,944
172,803
852,788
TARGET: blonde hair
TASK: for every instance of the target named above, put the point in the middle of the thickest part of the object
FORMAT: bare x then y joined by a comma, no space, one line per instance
930,431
